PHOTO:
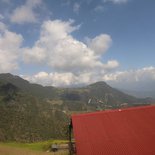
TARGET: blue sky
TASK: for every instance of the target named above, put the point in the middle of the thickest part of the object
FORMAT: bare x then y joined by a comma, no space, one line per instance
77,42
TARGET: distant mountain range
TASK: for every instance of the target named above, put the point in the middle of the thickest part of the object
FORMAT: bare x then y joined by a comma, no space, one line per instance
31,112
98,91
140,93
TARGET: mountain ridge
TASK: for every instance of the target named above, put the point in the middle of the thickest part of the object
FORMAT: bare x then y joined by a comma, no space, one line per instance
31,112
55,92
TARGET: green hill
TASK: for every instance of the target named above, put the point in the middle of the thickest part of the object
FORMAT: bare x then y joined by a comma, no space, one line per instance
31,112
26,87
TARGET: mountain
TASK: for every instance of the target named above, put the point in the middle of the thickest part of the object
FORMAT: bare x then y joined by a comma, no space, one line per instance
101,96
101,89
26,87
26,116
31,112
140,93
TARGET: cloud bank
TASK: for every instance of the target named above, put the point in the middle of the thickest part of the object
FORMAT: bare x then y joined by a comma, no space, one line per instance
71,61
140,79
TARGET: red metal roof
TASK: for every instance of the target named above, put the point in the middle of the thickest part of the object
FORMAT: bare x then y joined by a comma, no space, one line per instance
117,132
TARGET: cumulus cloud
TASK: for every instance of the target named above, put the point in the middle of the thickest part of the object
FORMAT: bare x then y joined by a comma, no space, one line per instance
52,79
37,56
111,64
10,44
116,1
100,43
75,63
66,79
140,79
25,13
72,62
2,27
58,49
133,75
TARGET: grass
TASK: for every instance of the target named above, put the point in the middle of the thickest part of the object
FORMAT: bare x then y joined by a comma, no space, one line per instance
38,148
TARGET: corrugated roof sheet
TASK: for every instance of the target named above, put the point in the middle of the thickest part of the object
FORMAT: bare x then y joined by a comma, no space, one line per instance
117,132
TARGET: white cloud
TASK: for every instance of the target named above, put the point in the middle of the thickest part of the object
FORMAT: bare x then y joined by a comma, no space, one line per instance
72,62
133,75
26,13
58,49
2,27
10,43
111,64
76,7
37,56
99,8
116,1
66,79
100,43
143,78
140,79
52,79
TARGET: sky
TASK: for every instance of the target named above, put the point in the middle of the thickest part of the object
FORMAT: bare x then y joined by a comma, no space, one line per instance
70,43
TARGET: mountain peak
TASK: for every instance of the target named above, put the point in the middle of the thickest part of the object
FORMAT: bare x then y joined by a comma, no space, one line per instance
6,74
9,76
99,84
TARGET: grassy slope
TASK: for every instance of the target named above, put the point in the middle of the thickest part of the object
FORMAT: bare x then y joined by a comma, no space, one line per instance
38,148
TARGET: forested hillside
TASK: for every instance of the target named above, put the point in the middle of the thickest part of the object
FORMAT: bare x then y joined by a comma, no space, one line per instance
31,112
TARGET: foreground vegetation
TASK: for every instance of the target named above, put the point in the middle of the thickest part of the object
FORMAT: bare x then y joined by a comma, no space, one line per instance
39,148
6,150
